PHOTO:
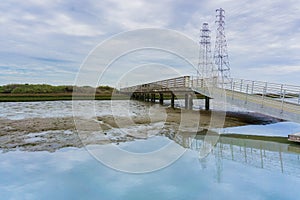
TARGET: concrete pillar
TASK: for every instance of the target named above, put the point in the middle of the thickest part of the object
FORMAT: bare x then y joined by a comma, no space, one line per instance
172,100
206,103
152,98
190,97
143,97
161,98
186,100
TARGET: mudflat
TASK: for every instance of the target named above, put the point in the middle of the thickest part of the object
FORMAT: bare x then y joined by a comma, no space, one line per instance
50,134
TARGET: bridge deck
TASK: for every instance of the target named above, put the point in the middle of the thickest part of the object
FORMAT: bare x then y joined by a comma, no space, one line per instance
277,100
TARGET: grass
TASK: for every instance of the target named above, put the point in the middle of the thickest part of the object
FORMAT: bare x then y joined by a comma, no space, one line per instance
55,97
44,92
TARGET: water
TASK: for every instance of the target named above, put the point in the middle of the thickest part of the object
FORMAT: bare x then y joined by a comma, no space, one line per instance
281,129
235,169
73,174
45,109
23,110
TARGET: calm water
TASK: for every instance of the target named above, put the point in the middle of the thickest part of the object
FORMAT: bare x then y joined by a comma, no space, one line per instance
235,169
22,110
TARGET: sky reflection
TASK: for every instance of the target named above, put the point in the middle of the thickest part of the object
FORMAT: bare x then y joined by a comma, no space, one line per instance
72,173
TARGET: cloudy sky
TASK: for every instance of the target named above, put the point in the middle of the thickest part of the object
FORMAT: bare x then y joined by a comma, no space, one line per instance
47,41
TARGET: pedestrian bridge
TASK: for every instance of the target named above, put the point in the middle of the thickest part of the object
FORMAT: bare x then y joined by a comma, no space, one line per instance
277,100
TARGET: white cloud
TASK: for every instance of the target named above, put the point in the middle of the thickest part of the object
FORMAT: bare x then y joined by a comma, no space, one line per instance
260,34
277,70
137,13
64,24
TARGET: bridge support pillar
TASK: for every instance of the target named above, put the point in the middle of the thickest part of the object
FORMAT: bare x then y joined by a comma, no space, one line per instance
186,101
141,97
206,103
153,98
132,96
161,98
190,97
172,100
147,97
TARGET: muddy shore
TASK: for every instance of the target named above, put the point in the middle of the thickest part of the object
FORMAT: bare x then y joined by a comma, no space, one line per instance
50,134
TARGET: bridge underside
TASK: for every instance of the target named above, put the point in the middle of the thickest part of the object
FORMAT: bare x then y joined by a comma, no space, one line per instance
166,94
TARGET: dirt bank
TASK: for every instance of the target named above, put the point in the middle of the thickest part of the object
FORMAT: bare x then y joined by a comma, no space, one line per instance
50,134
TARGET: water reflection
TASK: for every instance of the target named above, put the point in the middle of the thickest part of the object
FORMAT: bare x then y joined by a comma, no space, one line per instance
267,155
72,173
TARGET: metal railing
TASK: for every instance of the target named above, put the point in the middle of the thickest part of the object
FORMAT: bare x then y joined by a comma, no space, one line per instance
287,94
281,92
178,82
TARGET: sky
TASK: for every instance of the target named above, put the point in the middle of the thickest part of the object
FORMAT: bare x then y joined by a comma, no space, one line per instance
48,41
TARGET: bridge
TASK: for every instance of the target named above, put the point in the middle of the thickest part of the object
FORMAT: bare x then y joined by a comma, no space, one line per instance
276,100
213,82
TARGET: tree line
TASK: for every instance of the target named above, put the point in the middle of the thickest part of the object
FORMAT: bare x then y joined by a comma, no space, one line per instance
45,88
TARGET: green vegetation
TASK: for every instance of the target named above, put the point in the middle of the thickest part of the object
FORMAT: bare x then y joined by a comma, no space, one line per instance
44,92
34,89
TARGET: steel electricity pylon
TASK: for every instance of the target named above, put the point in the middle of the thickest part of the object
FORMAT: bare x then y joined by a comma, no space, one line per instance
221,54
205,63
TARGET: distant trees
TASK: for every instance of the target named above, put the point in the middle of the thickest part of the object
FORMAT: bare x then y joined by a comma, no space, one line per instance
44,88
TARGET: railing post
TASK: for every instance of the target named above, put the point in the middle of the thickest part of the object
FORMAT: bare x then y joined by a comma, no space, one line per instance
241,86
232,90
299,98
266,87
282,100
247,93
252,87
263,96
281,90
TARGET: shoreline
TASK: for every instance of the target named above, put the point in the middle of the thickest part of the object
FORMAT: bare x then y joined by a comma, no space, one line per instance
51,134
57,97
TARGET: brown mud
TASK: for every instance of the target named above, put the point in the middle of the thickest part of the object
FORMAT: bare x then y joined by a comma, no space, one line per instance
51,134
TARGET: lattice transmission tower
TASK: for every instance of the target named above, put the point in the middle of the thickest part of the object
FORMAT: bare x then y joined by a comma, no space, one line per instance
206,67
221,54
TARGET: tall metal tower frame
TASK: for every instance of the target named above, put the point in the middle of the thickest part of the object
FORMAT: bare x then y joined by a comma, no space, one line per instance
221,54
205,63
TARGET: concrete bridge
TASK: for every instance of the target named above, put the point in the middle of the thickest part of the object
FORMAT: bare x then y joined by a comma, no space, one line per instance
277,100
